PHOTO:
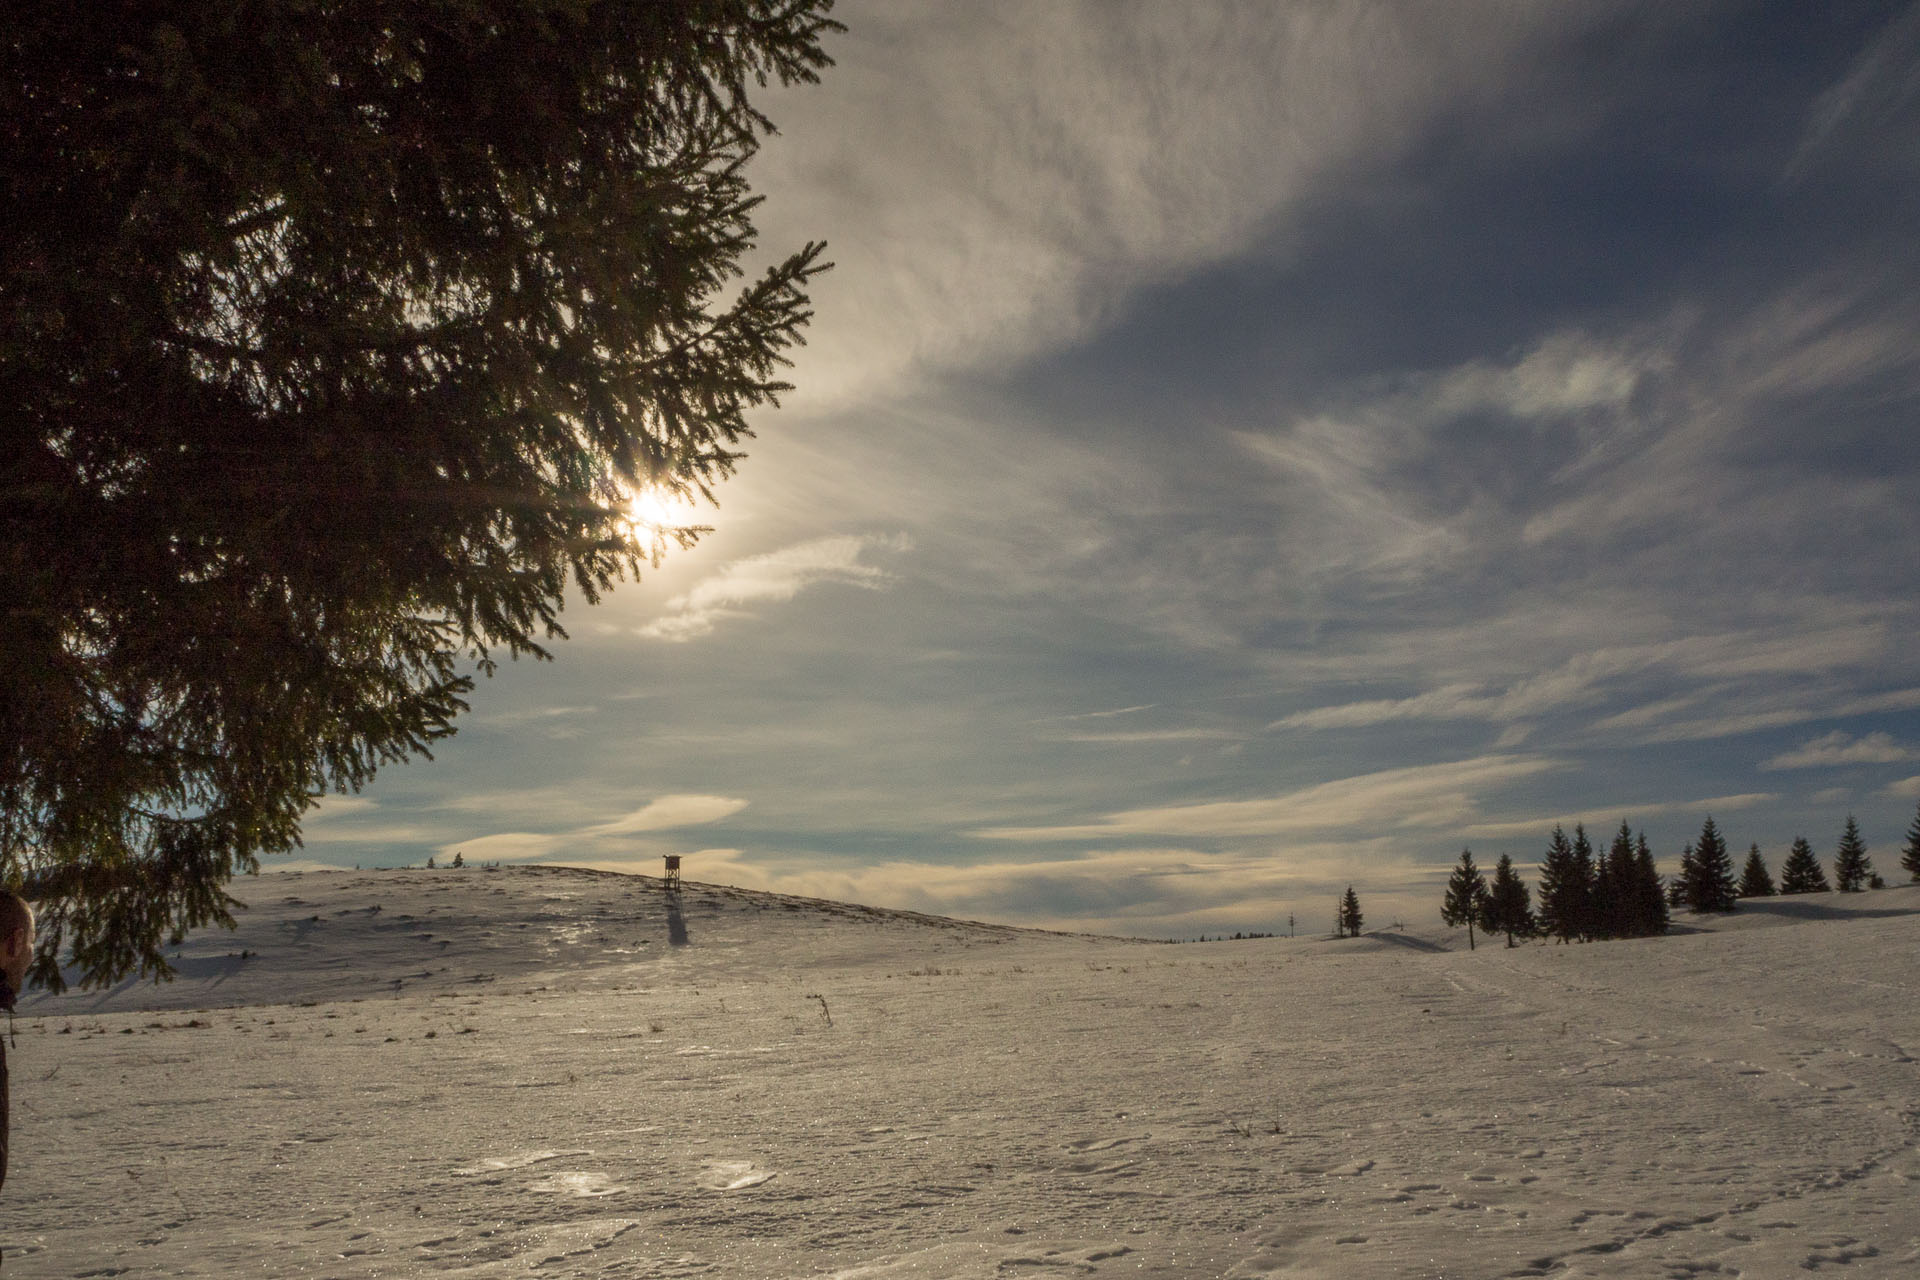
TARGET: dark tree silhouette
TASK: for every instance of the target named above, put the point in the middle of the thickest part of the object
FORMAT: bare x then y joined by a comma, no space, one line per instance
1707,874
1755,880
1585,900
1650,900
1563,889
1615,899
1910,855
334,340
1466,901
1510,906
1851,865
1801,872
1350,913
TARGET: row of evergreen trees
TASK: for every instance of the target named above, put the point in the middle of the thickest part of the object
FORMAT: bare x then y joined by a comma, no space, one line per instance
1583,895
1621,894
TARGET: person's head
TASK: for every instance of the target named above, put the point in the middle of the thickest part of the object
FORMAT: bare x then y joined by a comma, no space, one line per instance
16,937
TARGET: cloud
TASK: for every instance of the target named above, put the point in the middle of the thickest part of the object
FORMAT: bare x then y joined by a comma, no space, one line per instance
1147,735
1603,822
1584,677
668,812
1423,795
331,808
1838,748
1731,725
996,187
665,814
774,577
1905,789
1876,87
505,846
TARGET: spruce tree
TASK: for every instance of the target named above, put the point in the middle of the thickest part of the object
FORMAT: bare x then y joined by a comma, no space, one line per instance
1801,872
1910,856
1466,901
1677,891
1755,880
1851,865
1350,913
1650,915
1709,872
1585,902
1510,906
1561,889
1616,888
335,341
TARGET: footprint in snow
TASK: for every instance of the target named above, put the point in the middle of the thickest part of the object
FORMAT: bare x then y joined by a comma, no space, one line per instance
586,1186
518,1160
1105,1144
733,1175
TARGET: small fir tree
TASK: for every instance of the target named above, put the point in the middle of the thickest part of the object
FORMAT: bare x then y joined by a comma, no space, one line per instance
1851,865
1910,856
1801,872
1709,873
1350,913
1677,891
1509,905
1466,901
1561,889
1650,916
1584,897
1755,880
1615,888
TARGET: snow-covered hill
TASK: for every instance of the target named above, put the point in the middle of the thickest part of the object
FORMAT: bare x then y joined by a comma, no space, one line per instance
532,1071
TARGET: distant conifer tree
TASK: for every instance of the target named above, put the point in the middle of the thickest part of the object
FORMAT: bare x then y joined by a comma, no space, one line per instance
1755,880
1350,913
1851,865
1562,891
1650,900
1585,903
1708,875
1910,856
1614,883
1466,901
1801,872
1509,905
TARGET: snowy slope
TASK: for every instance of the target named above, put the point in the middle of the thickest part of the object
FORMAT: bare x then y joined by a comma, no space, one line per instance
545,1072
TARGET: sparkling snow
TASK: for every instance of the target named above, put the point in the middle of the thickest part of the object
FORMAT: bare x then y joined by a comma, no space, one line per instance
539,1071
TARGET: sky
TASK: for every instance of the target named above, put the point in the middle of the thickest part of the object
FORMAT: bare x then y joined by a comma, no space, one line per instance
1244,450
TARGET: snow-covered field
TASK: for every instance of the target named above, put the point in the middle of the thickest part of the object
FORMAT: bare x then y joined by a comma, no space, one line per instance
531,1071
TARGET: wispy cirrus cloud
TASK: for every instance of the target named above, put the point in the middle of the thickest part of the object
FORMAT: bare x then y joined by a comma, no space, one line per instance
1422,795
1585,678
1781,710
1602,822
1840,748
1001,186
667,813
772,578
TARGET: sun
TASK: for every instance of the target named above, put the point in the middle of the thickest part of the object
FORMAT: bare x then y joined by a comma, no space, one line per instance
655,508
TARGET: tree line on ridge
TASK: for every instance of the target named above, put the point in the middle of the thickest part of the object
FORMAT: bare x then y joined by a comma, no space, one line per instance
1588,896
